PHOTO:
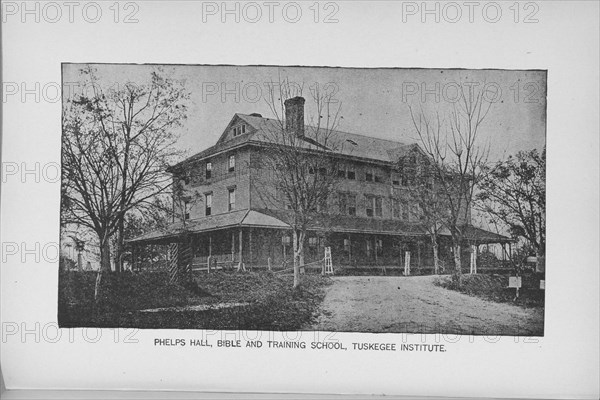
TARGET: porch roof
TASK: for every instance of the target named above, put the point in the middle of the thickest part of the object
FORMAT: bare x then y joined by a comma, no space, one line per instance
354,224
479,236
249,218
275,219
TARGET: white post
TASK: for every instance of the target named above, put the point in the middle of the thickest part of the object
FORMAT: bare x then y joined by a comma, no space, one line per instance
407,263
473,259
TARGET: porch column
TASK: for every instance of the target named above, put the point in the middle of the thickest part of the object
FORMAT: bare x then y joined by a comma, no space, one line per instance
209,245
349,249
232,245
132,257
241,249
375,247
250,245
474,259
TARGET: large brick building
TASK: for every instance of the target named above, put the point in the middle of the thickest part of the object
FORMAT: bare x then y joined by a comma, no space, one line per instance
368,220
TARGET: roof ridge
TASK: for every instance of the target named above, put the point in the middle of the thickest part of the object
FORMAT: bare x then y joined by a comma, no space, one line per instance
335,130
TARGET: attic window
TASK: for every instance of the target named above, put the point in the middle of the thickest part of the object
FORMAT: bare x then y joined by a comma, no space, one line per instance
239,130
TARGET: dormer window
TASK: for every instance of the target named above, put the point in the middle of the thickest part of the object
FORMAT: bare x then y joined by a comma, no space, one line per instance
239,130
208,170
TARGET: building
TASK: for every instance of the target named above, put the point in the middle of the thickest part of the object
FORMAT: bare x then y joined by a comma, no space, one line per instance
367,221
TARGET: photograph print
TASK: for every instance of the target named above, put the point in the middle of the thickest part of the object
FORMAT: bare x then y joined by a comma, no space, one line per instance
383,200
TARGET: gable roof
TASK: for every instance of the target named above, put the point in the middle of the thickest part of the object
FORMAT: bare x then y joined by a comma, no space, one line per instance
349,144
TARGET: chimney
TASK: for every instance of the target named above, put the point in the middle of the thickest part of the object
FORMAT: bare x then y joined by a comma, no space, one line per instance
294,115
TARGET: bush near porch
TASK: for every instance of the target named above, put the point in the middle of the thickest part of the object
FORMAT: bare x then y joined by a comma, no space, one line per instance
272,303
495,288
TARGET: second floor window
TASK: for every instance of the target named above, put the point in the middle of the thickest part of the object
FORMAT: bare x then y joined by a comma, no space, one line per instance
208,204
347,202
369,176
378,207
186,210
374,206
397,209
231,199
231,163
369,206
351,204
405,215
351,173
208,170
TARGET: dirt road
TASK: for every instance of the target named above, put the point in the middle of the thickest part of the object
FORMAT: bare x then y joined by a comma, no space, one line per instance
415,304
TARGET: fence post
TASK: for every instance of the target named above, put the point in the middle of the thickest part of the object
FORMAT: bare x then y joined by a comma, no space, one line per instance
269,263
208,263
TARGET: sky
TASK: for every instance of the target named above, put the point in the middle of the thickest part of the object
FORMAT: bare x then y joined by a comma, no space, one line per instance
373,101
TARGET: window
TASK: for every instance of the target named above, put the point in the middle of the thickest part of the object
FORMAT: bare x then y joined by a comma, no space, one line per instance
369,248
347,202
378,179
374,206
239,130
404,180
378,207
313,241
405,211
341,173
396,182
351,204
208,204
351,173
186,210
231,199
397,209
369,176
379,246
347,245
369,205
286,240
343,202
232,163
208,170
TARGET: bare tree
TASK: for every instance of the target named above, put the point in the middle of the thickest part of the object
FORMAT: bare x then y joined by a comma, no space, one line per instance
116,146
299,168
423,190
458,159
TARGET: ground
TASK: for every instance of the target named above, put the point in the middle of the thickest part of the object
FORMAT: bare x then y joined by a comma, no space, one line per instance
418,305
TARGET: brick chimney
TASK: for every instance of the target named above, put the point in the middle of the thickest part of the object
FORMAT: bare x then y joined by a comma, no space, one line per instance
294,115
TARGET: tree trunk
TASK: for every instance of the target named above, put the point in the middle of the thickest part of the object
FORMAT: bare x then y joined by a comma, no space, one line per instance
105,254
296,259
456,277
301,248
119,249
436,259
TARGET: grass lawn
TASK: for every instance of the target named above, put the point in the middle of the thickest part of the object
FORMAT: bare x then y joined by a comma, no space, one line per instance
268,301
494,288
